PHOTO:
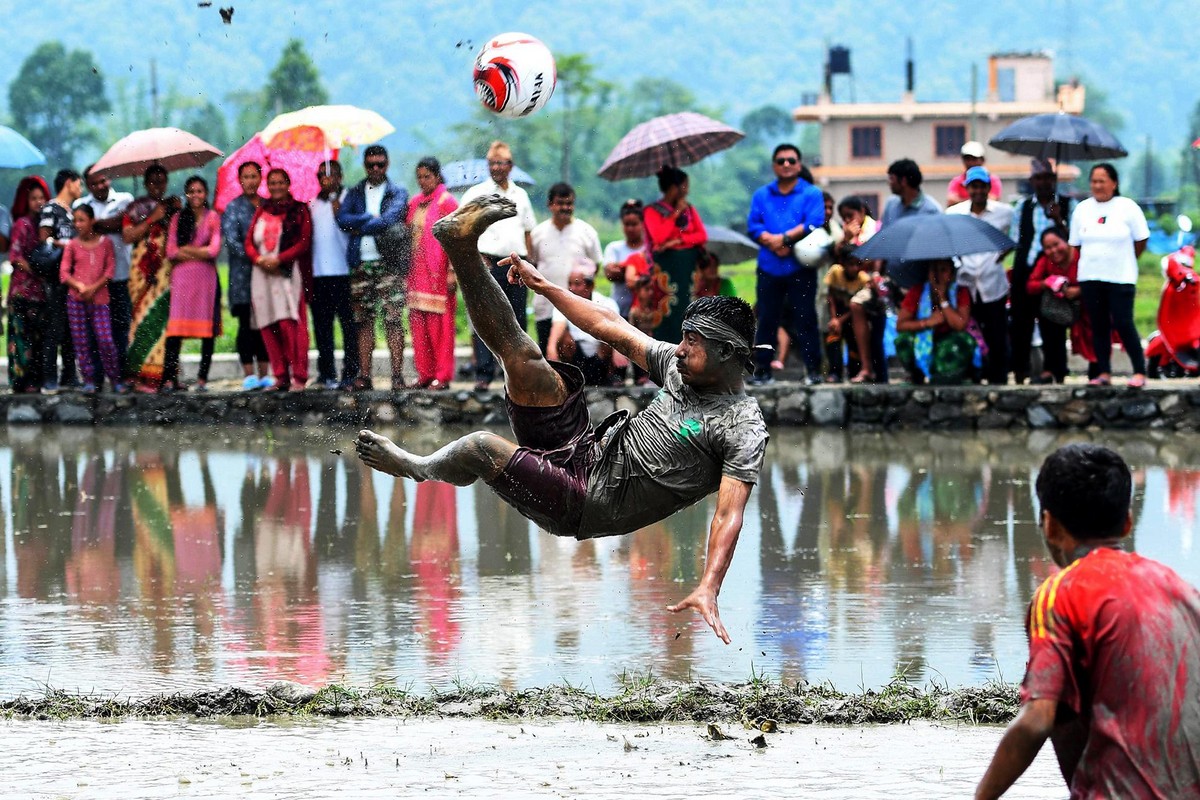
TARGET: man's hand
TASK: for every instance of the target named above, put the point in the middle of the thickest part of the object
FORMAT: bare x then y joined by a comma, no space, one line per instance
522,273
704,601
771,241
615,273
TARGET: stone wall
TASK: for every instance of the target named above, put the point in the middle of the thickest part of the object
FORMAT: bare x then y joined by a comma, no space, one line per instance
1169,405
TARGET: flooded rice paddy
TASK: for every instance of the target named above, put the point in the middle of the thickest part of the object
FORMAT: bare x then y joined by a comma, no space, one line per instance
162,560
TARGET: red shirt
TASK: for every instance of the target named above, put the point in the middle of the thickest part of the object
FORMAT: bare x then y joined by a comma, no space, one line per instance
912,303
88,265
1115,639
663,224
1043,268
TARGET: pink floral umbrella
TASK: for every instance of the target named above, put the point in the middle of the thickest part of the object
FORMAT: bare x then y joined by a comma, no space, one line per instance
300,164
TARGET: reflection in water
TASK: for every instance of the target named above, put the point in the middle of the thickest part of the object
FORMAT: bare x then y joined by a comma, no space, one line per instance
135,563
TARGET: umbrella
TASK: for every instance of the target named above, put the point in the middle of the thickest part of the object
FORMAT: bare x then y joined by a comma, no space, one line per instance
729,245
676,139
16,152
1059,136
461,174
170,148
913,240
339,125
301,167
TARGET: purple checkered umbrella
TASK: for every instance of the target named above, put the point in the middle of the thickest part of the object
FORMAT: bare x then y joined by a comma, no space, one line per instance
675,139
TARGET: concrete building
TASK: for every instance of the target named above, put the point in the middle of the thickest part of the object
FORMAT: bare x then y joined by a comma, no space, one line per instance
859,140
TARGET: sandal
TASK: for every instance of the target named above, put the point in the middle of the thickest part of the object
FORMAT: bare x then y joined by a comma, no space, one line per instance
863,377
1137,382
1101,380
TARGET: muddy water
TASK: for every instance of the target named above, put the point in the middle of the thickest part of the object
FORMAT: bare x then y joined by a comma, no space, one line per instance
163,560
475,758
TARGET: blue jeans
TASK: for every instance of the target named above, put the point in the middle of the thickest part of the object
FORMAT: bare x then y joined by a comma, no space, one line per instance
791,301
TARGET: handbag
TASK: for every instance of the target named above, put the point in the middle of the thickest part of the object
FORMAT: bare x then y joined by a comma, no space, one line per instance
1059,310
45,262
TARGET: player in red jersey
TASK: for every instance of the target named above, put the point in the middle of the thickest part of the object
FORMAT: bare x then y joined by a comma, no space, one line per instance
1114,649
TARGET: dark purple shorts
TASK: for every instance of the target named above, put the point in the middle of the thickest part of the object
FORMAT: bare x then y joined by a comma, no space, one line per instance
546,478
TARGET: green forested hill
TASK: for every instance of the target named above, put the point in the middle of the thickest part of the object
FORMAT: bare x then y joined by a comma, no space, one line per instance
411,60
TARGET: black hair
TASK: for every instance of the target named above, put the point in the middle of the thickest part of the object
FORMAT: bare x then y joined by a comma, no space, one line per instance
733,311
186,227
907,170
1087,488
87,210
779,148
1112,174
853,203
87,172
245,164
558,190
849,255
375,150
1058,231
330,167
154,169
631,206
430,163
282,172
805,174
669,176
63,176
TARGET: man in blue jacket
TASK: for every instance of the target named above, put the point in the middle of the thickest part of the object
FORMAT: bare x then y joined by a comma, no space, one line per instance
369,210
781,214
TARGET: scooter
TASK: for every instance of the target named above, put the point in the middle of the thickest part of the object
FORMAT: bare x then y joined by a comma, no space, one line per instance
1173,351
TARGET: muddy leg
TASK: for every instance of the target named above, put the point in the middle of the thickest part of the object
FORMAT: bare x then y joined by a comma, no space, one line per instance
462,462
529,379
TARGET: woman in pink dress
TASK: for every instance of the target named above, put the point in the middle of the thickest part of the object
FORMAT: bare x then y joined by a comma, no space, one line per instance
193,243
87,266
279,245
431,283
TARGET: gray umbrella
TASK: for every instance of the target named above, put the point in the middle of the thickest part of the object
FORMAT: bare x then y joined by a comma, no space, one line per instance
729,245
461,174
912,241
1060,136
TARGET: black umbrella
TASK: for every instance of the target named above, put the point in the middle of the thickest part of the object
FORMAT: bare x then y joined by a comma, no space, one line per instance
1059,136
730,246
911,241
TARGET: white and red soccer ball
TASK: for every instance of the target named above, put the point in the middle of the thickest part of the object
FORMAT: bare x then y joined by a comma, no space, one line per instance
514,75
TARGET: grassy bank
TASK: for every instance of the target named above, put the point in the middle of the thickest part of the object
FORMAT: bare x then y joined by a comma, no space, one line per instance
757,704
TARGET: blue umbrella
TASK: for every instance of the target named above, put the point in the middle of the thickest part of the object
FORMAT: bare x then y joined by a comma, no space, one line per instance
1060,136
461,174
911,241
16,152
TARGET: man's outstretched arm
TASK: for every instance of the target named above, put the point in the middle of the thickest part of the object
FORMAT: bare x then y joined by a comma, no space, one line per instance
600,323
722,539
1020,744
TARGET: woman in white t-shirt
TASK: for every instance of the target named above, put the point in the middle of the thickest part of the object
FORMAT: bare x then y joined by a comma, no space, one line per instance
1110,232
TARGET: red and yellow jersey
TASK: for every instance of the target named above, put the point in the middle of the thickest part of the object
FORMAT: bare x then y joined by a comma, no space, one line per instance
1115,639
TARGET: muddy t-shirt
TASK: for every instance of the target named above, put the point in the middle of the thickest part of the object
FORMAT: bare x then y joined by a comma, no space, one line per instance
671,454
1115,639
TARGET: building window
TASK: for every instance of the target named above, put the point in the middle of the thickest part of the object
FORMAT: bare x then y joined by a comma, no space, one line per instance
949,139
866,142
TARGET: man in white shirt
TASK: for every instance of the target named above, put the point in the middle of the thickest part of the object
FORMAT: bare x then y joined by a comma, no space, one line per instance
983,274
510,235
573,345
109,207
331,281
558,244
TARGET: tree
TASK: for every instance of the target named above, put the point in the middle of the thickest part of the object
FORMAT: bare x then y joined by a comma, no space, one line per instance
768,125
294,82
53,99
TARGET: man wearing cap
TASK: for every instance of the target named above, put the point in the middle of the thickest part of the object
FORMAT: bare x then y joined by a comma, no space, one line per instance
701,434
973,154
982,274
573,345
1034,215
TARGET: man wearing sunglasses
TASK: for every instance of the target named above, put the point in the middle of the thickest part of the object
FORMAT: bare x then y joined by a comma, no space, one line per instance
367,212
782,213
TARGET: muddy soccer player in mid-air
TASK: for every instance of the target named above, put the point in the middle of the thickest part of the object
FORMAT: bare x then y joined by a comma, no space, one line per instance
702,433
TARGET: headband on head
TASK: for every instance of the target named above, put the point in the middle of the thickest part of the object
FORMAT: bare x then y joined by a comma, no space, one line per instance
716,330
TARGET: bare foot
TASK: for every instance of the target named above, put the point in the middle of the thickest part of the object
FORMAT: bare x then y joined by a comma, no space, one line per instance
473,219
381,453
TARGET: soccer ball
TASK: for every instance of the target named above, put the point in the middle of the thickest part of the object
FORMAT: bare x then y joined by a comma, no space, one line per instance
514,75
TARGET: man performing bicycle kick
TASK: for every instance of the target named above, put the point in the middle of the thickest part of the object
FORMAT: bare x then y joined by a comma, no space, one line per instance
701,434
